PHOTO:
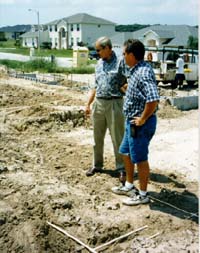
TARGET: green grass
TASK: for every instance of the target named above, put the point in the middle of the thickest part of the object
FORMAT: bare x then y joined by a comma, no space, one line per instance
68,53
7,44
9,47
22,51
44,66
43,52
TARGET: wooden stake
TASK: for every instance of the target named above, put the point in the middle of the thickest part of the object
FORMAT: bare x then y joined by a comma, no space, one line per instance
94,250
72,237
119,238
151,237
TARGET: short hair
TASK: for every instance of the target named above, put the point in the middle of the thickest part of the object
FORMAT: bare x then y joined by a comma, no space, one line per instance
104,41
135,47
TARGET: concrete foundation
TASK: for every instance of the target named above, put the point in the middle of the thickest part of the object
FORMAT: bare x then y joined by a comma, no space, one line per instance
185,103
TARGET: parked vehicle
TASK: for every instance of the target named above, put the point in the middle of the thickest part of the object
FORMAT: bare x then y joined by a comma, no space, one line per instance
93,55
165,70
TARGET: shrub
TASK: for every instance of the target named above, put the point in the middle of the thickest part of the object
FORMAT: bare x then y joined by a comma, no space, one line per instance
45,66
46,45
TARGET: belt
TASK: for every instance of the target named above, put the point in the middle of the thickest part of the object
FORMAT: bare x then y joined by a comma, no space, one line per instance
109,98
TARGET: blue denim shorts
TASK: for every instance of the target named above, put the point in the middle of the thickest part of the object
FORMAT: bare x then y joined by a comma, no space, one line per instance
138,146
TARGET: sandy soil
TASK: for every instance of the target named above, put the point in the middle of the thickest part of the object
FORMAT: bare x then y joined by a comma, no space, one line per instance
45,150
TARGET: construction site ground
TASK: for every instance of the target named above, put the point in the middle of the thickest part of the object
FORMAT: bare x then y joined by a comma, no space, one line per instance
45,151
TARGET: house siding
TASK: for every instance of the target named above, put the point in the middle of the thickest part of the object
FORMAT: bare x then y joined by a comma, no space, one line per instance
32,39
90,33
68,35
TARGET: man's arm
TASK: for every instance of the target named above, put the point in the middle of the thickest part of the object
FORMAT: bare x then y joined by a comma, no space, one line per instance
124,88
90,100
149,109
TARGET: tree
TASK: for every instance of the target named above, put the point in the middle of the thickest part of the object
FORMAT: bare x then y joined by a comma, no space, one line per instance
129,28
2,36
192,42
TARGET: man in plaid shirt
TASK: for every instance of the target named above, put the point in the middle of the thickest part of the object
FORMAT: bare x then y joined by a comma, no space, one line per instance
140,110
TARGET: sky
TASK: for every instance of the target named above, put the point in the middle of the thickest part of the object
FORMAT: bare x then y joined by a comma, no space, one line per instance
122,12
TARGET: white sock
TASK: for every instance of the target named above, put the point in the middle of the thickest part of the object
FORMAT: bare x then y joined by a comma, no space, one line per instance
129,185
142,193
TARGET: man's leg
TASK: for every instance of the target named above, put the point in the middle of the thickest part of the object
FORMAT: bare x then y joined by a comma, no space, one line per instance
99,131
140,197
128,188
115,119
143,174
139,154
129,167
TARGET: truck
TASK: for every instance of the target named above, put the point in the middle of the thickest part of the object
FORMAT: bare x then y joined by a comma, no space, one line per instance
165,70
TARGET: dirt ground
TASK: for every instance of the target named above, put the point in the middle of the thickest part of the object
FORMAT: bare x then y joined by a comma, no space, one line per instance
45,150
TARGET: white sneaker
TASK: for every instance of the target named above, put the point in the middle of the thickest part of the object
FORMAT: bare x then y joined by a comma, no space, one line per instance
123,190
136,199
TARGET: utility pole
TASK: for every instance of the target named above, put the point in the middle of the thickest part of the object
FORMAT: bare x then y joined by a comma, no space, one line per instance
38,24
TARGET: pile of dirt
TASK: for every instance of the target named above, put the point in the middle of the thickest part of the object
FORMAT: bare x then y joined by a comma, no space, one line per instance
45,150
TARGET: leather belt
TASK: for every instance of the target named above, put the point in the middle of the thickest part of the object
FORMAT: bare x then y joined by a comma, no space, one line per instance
109,98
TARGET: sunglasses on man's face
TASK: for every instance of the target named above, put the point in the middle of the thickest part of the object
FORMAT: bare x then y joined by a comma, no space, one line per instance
99,49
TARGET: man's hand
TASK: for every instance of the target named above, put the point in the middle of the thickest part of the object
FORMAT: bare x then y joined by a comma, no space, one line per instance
148,111
138,121
124,88
87,110
90,100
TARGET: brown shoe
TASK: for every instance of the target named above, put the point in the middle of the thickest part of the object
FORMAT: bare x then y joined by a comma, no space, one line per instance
92,171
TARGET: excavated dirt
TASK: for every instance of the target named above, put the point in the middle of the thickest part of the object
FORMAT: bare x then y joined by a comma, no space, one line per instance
45,150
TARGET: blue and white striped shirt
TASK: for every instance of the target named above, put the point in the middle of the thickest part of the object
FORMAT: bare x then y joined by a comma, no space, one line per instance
142,88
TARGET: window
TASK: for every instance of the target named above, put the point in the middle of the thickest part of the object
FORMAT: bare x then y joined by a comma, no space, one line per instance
56,28
151,43
78,27
63,33
72,42
71,28
50,28
77,41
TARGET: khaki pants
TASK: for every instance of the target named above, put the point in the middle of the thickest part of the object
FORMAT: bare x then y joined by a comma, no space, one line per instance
107,114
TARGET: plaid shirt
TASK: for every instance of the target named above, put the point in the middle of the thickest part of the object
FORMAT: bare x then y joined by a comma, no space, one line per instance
142,89
110,76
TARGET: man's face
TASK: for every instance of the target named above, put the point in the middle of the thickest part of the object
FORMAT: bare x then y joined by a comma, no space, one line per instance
104,52
129,58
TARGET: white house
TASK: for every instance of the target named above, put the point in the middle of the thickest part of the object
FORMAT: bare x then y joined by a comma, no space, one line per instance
68,32
30,39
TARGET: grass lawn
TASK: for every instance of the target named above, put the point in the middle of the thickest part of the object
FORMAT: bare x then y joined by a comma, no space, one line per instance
43,52
10,47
